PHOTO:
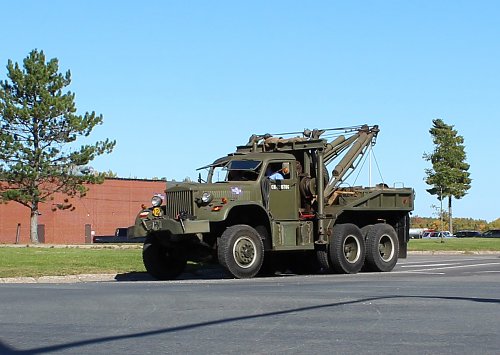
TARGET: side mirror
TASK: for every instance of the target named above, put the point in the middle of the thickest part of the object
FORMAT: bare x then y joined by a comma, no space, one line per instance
200,180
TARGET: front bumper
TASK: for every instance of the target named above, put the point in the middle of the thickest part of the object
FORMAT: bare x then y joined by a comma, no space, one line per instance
143,227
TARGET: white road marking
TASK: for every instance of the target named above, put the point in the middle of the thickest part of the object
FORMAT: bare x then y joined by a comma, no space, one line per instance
427,265
488,272
417,272
454,267
445,261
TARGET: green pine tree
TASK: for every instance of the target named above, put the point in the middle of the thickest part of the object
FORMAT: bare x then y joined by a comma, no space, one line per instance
39,127
449,176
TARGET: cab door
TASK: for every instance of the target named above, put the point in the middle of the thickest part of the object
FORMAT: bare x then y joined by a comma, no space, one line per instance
283,194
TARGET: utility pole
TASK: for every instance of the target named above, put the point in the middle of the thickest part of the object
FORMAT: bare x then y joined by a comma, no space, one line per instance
441,212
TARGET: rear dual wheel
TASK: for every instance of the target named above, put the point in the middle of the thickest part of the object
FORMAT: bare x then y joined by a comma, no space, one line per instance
382,248
374,247
347,249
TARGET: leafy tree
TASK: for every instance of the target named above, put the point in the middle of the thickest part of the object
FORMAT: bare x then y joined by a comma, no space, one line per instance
110,174
39,127
494,224
460,223
449,176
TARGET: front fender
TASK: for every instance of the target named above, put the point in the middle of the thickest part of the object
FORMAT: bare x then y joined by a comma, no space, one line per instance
139,229
224,213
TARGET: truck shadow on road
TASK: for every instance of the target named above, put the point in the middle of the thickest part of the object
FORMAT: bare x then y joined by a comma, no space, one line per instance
6,350
207,272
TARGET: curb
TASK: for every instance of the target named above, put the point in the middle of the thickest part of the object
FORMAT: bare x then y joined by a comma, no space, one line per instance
59,279
77,246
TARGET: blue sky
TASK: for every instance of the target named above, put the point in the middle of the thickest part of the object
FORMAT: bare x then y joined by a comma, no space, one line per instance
180,83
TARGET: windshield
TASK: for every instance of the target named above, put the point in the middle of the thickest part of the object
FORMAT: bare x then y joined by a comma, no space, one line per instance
251,165
243,170
236,170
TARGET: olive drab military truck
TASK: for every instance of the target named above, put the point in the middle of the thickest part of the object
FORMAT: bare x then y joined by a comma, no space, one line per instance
272,204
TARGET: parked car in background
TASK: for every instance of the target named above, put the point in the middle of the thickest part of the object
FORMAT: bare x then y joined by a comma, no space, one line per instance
416,233
122,235
492,233
427,234
442,234
467,234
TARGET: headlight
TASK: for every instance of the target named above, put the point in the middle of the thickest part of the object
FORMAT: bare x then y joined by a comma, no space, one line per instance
206,197
156,201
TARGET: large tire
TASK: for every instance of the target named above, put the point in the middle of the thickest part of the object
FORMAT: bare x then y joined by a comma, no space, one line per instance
365,230
347,249
322,257
382,248
160,262
241,251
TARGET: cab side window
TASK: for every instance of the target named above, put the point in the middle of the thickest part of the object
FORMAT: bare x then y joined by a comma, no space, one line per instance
278,170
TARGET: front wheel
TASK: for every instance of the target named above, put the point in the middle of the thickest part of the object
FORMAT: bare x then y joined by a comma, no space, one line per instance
241,251
347,249
161,262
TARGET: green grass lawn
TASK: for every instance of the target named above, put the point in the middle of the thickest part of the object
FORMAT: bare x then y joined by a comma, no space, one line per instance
455,244
35,262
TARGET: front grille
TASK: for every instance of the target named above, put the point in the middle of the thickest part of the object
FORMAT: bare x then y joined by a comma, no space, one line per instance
179,201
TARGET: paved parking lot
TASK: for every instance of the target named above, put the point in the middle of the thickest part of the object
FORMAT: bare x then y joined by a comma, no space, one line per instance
438,304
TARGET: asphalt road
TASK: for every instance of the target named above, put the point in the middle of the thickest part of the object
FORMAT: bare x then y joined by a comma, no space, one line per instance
427,305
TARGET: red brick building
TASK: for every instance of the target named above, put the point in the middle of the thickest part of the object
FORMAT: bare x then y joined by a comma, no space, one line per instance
107,206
